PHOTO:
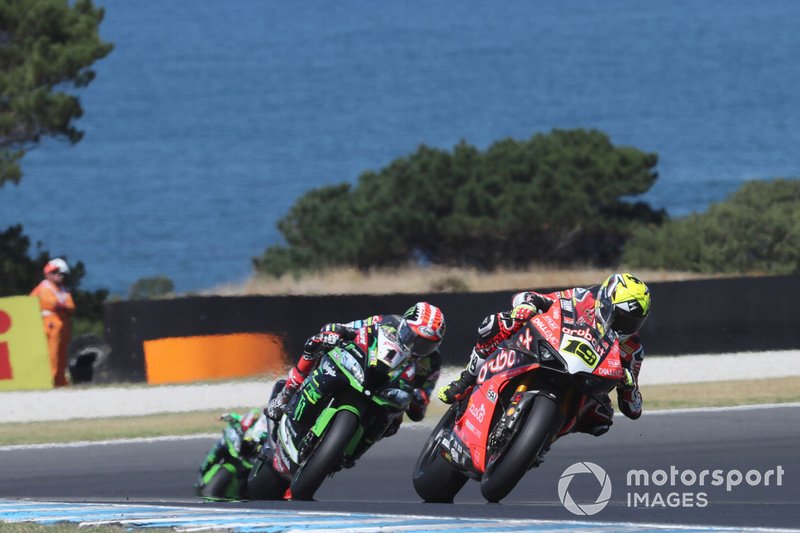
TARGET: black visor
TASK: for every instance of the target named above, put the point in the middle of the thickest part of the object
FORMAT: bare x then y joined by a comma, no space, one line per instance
414,343
624,323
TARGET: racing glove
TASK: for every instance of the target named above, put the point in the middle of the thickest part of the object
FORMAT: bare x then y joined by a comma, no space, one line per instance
347,333
628,381
538,301
321,341
523,311
419,404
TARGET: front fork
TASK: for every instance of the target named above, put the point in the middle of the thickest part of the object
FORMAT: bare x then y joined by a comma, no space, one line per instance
520,404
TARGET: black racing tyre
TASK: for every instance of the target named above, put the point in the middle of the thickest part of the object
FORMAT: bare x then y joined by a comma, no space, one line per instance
217,488
263,483
325,458
435,480
504,472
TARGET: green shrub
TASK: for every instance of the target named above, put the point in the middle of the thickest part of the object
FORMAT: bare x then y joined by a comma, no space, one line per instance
151,288
756,230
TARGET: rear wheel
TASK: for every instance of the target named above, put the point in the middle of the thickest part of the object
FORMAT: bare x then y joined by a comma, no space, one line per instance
326,457
504,470
263,483
435,480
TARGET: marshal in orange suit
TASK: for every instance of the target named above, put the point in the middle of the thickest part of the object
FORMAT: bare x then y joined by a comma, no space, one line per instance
57,307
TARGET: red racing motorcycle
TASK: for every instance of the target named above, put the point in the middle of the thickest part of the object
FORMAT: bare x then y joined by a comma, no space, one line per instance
530,391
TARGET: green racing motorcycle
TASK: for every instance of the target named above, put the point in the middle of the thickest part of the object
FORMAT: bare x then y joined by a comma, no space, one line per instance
223,474
356,395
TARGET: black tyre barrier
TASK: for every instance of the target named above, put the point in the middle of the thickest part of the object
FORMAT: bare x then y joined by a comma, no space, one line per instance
88,357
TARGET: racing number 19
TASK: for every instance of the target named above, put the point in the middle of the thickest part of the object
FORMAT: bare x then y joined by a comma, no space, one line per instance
582,350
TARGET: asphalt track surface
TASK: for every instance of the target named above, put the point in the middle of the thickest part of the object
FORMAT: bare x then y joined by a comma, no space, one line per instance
750,439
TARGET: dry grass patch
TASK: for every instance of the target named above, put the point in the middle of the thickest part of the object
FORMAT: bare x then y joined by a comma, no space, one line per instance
722,393
709,394
433,279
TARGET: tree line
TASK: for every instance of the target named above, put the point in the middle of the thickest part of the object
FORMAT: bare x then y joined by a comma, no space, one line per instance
563,198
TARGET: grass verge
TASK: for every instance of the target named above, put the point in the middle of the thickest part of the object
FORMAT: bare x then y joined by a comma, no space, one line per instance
722,393
114,428
710,394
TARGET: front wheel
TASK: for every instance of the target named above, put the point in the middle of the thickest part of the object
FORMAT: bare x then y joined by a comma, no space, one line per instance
435,480
506,470
221,485
326,457
263,483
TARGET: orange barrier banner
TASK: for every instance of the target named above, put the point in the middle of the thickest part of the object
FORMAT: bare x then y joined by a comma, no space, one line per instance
24,363
212,357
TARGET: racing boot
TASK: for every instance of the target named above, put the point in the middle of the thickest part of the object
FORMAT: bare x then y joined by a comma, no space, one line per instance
458,389
277,405
595,418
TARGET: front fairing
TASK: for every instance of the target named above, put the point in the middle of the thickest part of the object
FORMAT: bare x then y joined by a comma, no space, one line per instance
484,406
552,351
390,366
564,340
233,440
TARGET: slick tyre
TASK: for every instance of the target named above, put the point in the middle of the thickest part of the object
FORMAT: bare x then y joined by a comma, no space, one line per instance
326,457
504,471
219,486
435,480
263,483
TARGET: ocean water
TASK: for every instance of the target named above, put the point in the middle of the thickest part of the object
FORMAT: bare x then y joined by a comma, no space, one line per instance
209,119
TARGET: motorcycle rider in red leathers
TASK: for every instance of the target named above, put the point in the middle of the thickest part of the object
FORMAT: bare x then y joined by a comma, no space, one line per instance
621,303
420,330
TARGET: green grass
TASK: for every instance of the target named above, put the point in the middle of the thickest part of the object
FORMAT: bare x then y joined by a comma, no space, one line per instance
114,428
711,394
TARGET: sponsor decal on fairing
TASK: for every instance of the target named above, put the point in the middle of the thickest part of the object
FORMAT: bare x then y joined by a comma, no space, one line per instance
478,413
547,332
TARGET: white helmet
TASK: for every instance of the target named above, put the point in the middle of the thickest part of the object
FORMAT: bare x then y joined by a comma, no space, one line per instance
56,265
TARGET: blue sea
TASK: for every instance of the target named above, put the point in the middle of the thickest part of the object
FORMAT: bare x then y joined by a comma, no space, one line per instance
209,119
